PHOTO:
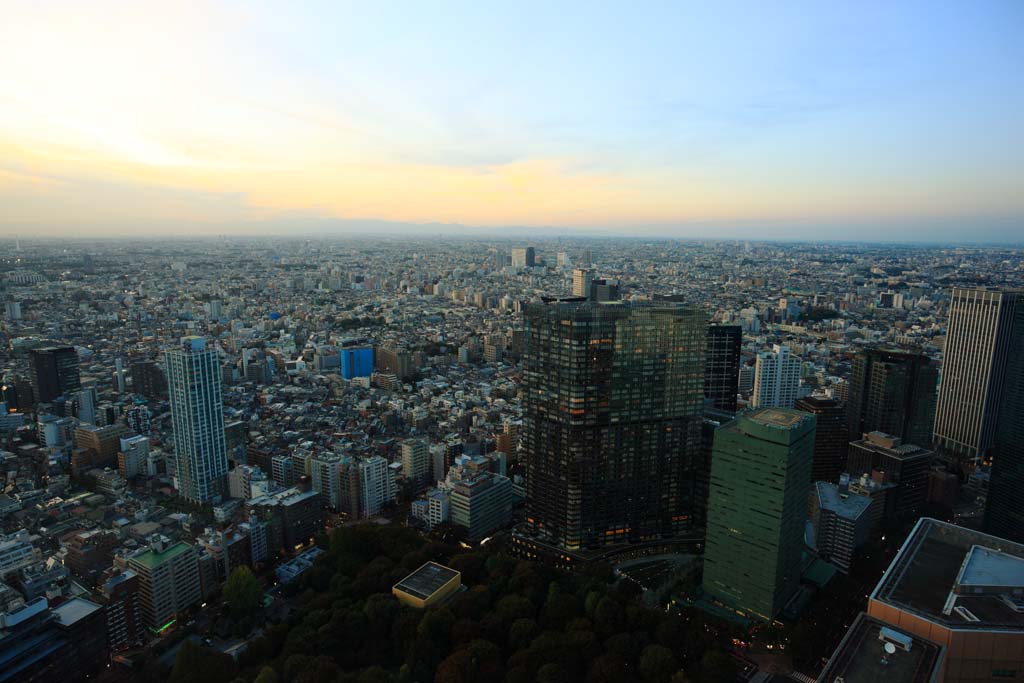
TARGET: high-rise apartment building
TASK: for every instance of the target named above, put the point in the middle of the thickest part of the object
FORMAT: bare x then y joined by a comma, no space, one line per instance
376,485
830,437
197,416
841,521
55,372
776,378
757,508
978,337
722,366
168,580
893,391
325,472
612,419
1004,511
416,463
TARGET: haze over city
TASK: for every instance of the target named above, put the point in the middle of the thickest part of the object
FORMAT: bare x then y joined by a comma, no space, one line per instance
799,121
525,342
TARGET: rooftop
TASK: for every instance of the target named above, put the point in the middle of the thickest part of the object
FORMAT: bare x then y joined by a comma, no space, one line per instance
74,610
778,417
848,506
426,580
861,656
986,567
150,558
923,579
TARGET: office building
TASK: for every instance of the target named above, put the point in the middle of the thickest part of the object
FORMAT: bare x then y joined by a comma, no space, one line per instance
294,518
97,446
961,589
147,378
978,337
776,378
197,416
356,362
123,607
841,521
613,395
16,551
168,580
830,437
523,257
757,507
40,644
55,372
480,501
893,391
1004,511
722,366
889,460
581,279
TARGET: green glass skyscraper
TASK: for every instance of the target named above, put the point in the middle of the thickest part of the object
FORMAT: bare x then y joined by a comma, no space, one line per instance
757,507
612,398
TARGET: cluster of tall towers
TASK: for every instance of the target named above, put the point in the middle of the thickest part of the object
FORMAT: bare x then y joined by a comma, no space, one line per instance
615,395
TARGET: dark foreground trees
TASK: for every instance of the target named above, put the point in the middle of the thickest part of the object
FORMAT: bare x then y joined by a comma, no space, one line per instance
513,621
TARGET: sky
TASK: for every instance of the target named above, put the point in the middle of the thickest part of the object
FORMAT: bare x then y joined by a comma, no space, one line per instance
789,120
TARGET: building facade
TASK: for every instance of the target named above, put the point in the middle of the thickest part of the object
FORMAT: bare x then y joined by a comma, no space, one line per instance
197,415
722,366
830,436
776,378
893,391
613,394
757,507
981,328
168,580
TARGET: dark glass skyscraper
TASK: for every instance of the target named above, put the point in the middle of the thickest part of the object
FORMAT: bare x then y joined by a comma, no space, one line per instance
1004,507
830,437
893,391
612,421
55,372
722,366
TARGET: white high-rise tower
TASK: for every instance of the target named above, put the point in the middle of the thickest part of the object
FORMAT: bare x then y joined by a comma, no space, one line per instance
776,378
197,416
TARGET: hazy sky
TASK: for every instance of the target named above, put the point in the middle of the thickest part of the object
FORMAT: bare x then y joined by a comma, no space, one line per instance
820,119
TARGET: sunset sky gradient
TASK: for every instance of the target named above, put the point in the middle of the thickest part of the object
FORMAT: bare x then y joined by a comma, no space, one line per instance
874,120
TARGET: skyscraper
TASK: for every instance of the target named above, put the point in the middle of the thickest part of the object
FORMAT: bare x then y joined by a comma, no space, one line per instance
978,337
893,391
581,279
523,257
613,396
776,378
55,372
722,366
1004,512
757,507
197,416
830,437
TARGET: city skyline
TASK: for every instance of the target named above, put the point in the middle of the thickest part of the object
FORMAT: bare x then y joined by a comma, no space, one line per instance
887,123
